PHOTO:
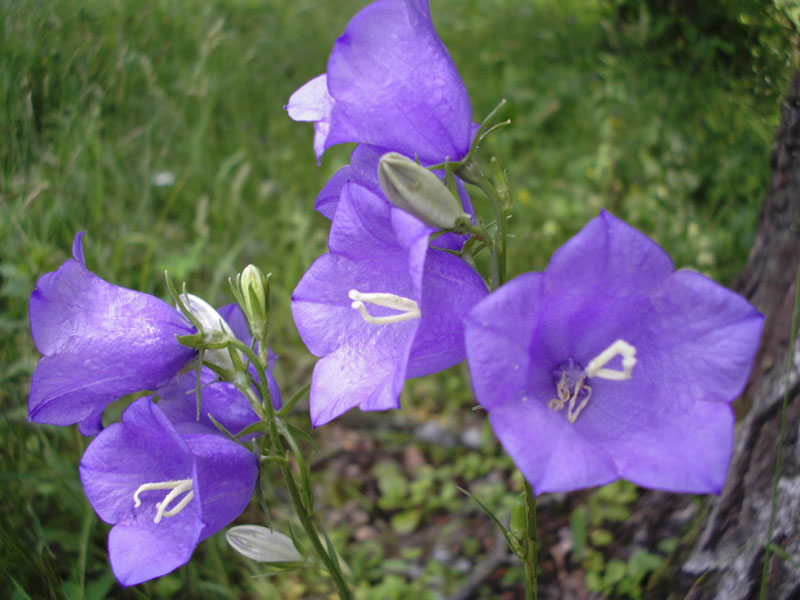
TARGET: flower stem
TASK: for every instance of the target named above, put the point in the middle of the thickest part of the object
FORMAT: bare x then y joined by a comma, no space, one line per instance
531,545
307,521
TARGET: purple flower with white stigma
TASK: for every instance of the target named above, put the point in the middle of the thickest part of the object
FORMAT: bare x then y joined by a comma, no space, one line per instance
391,83
610,364
100,342
380,308
163,491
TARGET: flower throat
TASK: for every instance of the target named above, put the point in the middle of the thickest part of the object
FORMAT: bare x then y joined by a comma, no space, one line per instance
570,378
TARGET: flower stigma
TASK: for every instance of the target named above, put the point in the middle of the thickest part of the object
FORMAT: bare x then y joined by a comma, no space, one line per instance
408,308
176,487
570,378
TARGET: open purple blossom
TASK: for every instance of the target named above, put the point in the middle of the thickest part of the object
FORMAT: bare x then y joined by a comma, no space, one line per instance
163,492
610,364
391,83
380,307
100,342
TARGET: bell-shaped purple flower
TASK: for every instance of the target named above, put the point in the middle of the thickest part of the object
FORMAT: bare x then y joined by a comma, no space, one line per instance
100,342
164,492
380,308
390,83
611,364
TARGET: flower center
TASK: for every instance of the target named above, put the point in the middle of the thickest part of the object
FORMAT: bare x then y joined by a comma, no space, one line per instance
176,487
570,378
408,308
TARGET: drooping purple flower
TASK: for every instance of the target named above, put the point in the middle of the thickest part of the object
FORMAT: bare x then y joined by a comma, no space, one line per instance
390,83
164,492
100,342
610,364
380,307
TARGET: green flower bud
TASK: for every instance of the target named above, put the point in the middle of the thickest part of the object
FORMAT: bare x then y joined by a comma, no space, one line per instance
418,191
519,519
255,298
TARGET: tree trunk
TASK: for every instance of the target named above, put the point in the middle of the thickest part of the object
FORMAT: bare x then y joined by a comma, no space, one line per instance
725,558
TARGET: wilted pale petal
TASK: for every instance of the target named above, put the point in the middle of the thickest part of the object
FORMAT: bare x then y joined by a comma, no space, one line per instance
99,341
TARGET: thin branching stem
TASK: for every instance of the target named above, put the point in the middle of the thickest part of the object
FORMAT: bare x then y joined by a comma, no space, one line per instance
779,459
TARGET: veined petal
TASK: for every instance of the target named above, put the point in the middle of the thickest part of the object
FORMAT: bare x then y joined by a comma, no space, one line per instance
395,85
100,342
609,257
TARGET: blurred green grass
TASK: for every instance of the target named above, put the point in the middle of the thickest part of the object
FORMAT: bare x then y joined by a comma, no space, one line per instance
101,99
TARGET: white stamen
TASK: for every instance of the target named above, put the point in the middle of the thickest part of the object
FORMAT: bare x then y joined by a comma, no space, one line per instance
176,487
620,347
564,396
593,369
408,308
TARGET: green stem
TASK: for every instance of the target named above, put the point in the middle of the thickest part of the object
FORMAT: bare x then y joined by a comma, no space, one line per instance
531,545
777,476
307,521
501,231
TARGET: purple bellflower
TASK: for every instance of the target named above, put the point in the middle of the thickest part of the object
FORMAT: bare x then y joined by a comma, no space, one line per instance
100,342
390,86
163,491
390,83
380,307
610,364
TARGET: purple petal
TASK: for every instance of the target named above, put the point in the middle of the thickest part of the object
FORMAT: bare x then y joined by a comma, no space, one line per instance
394,85
138,554
608,256
708,336
226,477
450,289
221,400
498,333
122,457
548,450
100,342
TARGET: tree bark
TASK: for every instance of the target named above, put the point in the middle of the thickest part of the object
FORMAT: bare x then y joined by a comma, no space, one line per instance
725,559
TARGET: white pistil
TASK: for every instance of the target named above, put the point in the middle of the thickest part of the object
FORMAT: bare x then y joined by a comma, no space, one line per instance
593,369
408,308
620,347
176,487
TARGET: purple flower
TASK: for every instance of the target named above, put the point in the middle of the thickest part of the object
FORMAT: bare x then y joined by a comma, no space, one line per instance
100,342
611,364
380,308
390,83
164,492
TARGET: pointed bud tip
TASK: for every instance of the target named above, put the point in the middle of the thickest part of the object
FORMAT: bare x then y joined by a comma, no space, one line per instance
418,191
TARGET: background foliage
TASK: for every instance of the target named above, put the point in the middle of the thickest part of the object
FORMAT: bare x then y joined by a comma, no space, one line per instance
158,127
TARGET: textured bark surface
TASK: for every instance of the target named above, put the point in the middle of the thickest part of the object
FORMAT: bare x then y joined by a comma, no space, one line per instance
725,559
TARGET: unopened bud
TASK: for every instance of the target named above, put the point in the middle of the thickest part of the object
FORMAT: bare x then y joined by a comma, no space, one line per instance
262,544
418,191
215,329
255,297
